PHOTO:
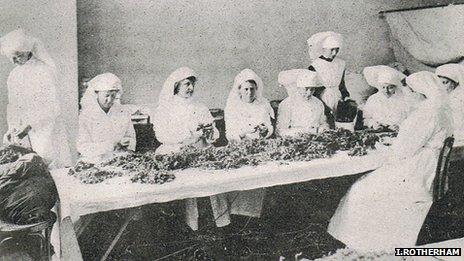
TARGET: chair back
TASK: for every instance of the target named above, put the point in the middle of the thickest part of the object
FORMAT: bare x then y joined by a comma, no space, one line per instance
440,183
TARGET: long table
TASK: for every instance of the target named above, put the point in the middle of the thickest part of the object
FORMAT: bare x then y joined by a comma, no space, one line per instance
77,199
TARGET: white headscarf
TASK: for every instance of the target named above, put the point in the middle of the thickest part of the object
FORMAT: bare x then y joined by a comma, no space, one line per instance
308,79
101,82
234,101
379,75
18,41
452,71
167,92
288,79
321,40
428,84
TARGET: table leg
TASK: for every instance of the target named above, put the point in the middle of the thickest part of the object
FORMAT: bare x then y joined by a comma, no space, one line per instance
133,214
69,245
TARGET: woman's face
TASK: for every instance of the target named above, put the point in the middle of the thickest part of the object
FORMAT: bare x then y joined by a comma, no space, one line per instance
185,88
449,84
20,58
389,89
330,53
306,92
247,91
106,99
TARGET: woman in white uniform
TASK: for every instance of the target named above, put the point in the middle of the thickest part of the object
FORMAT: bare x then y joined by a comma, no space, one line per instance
386,208
179,121
104,125
323,50
390,105
452,76
247,116
33,111
301,112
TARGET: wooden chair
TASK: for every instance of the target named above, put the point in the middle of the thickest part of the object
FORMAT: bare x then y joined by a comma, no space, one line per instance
41,230
440,183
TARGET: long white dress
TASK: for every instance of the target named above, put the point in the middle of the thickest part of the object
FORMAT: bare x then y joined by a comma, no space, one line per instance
33,100
386,208
175,121
387,111
297,115
99,131
242,118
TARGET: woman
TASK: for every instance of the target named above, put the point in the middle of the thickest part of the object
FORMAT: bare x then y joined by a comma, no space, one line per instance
301,112
33,111
247,116
104,125
386,208
323,49
390,105
452,76
181,121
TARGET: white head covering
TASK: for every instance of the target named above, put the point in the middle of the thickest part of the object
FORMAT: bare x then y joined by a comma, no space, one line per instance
379,75
428,84
234,96
308,79
452,71
321,40
101,82
288,79
167,92
18,41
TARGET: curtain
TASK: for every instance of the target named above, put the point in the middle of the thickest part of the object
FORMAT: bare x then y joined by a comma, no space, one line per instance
426,38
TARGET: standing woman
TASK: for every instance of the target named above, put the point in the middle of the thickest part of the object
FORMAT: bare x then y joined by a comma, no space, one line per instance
33,111
104,125
386,208
452,76
247,116
181,121
323,50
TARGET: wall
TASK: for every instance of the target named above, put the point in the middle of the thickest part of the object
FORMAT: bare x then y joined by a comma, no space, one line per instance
54,22
144,41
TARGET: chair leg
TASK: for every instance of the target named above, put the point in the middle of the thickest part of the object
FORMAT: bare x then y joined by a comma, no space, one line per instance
48,232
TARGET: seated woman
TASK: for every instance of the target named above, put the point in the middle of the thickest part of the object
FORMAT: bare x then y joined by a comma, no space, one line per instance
452,76
390,105
323,50
104,125
301,112
247,116
386,208
179,121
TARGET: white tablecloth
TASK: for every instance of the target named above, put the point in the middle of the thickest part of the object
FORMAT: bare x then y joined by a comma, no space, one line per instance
77,199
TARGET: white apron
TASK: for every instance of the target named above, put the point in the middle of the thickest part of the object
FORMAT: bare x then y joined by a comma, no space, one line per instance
239,120
33,100
381,110
331,75
296,116
174,125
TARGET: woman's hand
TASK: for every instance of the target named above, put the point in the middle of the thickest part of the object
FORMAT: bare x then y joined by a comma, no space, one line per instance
262,130
123,144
